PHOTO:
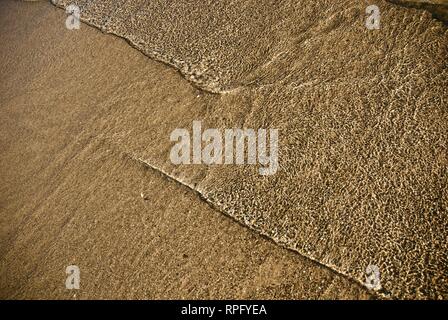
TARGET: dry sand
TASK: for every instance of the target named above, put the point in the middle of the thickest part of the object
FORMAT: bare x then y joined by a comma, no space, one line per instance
362,116
71,196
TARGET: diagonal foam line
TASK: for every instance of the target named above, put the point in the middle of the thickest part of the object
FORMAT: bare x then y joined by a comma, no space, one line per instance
202,197
211,204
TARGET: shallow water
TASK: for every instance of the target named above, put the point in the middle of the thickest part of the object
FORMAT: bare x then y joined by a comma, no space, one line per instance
361,113
438,8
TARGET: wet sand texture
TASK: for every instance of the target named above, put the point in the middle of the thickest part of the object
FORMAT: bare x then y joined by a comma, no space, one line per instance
362,116
69,196
438,8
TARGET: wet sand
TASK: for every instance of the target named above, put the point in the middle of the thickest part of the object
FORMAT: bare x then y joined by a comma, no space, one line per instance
361,113
71,195
438,8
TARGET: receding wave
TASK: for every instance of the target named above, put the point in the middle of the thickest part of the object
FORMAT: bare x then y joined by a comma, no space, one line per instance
362,116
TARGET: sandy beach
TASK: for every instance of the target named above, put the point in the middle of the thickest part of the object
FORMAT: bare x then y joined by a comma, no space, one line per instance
86,117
